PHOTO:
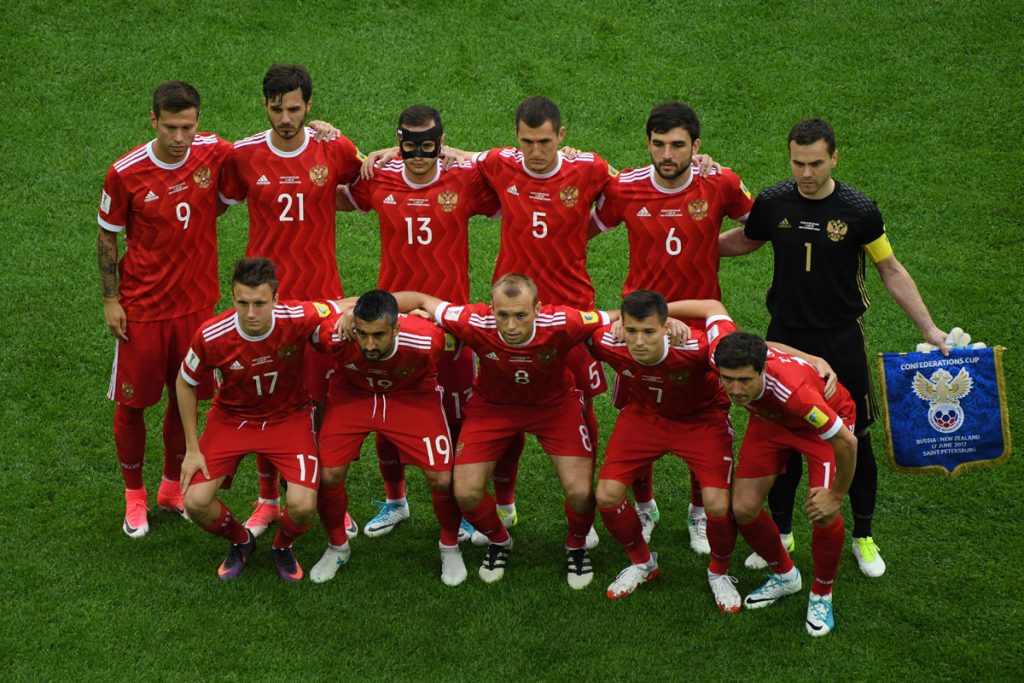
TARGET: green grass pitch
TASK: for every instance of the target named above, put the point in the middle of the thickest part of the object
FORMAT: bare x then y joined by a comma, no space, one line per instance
925,98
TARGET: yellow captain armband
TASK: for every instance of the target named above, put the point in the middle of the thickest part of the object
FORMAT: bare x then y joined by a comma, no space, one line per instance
880,249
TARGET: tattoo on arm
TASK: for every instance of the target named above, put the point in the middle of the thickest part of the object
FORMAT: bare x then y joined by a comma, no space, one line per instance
106,254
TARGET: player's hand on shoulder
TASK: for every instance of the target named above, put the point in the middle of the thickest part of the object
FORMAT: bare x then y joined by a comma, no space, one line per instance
377,159
822,504
678,331
616,331
570,153
194,462
324,132
826,373
420,313
117,321
706,164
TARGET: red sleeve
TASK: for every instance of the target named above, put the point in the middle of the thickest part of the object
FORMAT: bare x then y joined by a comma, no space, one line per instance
810,406
360,194
348,159
715,328
232,186
603,175
582,324
608,210
193,367
738,200
488,163
484,200
115,201
455,319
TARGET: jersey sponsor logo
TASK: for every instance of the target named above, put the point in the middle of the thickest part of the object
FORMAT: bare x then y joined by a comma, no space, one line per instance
322,309
809,225
262,180
180,187
105,202
745,191
203,177
643,212
836,230
546,355
590,317
453,313
290,180
522,359
152,196
262,360
191,360
417,201
816,418
447,201
513,190
540,196
390,199
698,209
670,213
236,366
449,342
569,195
681,377
352,366
287,352
491,356
784,223
318,174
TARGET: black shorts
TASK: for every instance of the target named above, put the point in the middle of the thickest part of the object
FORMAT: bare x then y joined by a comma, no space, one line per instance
846,351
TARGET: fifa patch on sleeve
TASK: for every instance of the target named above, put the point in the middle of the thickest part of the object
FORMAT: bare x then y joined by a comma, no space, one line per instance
453,313
611,171
816,418
449,342
743,188
322,309
879,249
590,317
192,360
105,202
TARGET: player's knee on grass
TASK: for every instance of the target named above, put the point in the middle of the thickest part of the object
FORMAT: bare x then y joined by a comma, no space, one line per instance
716,501
331,477
610,492
301,503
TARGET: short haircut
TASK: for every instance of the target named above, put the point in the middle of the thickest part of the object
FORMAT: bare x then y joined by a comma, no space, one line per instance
283,78
809,131
642,303
534,111
376,305
419,115
513,285
255,271
174,96
740,349
668,115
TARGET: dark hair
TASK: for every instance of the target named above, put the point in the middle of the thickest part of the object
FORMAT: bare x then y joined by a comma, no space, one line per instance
642,303
740,349
419,115
668,115
255,271
174,96
376,305
534,111
513,285
809,131
283,78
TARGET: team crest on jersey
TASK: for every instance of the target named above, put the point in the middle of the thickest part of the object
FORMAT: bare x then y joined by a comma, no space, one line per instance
546,355
447,201
287,352
127,389
203,177
404,371
943,392
569,195
322,309
680,377
698,209
836,230
458,448
318,174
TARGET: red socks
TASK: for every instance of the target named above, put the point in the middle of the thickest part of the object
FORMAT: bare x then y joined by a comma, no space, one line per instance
268,478
130,441
722,539
332,504
449,516
485,518
392,471
174,440
227,526
579,526
506,472
763,536
624,525
289,531
826,549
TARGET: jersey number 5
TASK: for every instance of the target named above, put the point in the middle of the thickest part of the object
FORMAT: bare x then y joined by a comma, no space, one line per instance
540,228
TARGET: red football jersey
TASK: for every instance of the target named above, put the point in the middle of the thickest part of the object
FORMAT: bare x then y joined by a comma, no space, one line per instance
679,385
673,234
412,365
544,221
424,229
168,213
532,373
259,378
291,207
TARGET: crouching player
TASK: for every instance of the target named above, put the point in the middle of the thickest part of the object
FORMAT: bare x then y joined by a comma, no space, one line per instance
789,412
676,405
385,381
258,351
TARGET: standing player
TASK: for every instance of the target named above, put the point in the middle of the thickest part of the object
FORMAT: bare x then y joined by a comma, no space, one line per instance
386,382
289,181
676,405
673,217
820,230
524,385
163,197
423,212
788,412
258,350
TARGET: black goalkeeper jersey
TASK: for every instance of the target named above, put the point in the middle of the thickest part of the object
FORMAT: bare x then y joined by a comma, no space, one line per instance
818,282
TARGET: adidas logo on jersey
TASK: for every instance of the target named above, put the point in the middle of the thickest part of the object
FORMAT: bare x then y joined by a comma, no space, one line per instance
390,199
513,190
492,356
643,212
235,366
785,223
627,373
263,180
151,197
352,366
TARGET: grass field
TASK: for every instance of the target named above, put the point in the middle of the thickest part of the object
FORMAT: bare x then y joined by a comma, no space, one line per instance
925,98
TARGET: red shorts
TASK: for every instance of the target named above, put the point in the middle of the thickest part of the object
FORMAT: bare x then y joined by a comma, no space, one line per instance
413,421
587,371
317,369
152,359
704,441
489,427
456,375
767,447
288,442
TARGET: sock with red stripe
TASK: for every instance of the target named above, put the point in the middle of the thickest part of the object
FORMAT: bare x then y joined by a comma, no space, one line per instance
763,536
624,525
826,549
722,539
130,441
331,505
579,526
485,518
288,531
227,526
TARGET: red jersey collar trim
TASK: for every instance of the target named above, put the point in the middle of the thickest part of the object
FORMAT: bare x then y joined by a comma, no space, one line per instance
281,152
